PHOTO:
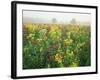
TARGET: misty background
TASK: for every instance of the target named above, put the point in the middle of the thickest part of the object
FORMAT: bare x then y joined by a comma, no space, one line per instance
55,17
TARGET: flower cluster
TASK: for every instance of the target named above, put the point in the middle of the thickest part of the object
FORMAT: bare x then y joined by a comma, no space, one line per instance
55,45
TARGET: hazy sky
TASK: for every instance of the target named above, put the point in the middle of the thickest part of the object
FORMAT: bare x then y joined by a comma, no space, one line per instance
40,16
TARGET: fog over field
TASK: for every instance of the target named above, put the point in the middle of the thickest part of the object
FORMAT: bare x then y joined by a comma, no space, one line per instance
50,17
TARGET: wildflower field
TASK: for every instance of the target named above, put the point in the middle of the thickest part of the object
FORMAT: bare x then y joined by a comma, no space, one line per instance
56,45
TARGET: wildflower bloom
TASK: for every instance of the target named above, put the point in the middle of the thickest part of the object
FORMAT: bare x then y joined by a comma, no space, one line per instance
58,57
30,27
68,41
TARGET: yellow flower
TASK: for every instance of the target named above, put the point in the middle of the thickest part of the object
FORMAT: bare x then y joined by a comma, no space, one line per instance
31,27
74,64
30,36
68,41
55,32
58,57
56,35
54,28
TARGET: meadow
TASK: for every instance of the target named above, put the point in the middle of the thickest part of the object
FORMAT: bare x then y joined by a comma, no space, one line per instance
56,45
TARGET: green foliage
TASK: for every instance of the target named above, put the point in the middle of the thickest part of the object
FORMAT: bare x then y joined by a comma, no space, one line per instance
55,45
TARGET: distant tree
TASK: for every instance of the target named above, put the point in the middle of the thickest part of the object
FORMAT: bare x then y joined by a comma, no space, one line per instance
73,21
54,20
